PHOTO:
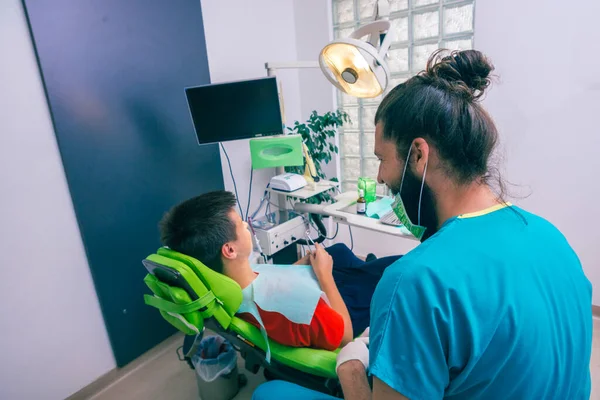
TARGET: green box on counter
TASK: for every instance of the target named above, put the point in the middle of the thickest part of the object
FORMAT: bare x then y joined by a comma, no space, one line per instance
369,185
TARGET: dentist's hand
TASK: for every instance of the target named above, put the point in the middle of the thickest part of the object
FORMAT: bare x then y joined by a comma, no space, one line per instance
322,263
356,350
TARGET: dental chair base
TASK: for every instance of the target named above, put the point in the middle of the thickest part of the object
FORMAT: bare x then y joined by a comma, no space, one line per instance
254,359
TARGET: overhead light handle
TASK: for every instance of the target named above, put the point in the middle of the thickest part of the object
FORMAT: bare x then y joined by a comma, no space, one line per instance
382,9
374,29
381,12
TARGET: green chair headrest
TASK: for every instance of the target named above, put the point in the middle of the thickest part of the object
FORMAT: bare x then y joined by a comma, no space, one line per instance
206,304
225,289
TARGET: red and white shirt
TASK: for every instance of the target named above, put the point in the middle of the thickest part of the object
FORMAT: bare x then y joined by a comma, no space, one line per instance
325,331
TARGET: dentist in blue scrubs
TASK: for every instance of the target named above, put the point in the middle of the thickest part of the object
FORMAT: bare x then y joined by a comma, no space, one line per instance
493,304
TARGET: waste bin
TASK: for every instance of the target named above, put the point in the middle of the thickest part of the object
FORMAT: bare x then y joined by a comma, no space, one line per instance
215,363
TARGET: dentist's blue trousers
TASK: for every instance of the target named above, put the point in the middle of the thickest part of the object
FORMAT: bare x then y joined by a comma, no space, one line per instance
356,280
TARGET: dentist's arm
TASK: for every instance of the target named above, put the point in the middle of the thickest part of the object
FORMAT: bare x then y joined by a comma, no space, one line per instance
322,264
355,385
352,365
353,378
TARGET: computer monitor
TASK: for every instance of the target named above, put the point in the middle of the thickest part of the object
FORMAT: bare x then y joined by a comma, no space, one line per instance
235,110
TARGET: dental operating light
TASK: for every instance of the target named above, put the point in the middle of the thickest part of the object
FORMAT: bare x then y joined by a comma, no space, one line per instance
358,67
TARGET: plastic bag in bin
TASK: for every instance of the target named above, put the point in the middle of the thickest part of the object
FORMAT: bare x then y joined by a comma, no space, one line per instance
215,357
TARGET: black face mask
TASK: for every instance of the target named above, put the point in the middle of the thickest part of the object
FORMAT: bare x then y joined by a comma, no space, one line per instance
410,196
410,193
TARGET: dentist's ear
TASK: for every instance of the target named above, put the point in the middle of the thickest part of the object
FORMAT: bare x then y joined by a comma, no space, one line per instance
419,155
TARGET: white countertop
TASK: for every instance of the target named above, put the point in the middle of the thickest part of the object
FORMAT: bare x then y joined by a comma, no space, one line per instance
346,199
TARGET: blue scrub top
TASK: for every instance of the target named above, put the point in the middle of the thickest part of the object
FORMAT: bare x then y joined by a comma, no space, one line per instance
493,306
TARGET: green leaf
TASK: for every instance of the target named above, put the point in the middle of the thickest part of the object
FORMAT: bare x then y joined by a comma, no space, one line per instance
316,131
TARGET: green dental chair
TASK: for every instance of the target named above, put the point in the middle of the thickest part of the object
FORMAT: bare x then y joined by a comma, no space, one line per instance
191,296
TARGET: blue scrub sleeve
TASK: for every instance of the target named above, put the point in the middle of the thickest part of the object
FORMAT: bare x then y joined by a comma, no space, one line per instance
408,342
277,390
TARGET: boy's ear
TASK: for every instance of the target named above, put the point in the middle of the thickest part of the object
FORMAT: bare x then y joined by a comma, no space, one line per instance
228,251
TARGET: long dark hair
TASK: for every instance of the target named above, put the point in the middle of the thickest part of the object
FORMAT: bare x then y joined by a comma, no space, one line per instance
441,105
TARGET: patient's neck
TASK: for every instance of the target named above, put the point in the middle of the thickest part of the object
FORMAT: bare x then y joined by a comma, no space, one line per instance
240,271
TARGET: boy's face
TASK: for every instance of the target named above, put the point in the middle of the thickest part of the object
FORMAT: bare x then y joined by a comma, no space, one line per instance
243,244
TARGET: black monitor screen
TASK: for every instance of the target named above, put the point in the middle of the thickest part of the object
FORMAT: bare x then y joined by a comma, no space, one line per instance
235,110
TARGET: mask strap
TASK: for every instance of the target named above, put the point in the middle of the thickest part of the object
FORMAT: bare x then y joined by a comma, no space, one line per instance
421,194
405,167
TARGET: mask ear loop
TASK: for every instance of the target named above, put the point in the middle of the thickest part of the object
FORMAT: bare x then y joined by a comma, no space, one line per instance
421,194
404,171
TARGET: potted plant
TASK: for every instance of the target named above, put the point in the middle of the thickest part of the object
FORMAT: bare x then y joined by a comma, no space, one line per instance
316,133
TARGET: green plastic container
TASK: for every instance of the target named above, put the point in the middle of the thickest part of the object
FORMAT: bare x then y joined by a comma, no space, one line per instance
369,185
278,151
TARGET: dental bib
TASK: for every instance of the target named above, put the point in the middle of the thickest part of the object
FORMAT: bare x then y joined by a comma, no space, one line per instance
290,290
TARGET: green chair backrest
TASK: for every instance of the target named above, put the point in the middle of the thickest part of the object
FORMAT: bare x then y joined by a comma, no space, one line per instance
190,323
218,296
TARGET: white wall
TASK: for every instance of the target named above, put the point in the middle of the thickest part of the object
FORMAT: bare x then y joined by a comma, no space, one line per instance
546,107
241,37
314,29
53,338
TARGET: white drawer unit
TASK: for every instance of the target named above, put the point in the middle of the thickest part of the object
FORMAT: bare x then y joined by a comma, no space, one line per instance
278,231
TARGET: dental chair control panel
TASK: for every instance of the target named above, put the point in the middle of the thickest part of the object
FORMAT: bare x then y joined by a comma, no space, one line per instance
278,230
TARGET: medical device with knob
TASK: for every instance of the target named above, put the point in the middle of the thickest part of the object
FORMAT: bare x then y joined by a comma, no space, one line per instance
277,230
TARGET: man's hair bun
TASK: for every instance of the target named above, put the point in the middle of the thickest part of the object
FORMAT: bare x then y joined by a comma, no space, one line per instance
465,73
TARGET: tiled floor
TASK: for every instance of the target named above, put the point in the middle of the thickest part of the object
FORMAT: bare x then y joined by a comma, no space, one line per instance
165,377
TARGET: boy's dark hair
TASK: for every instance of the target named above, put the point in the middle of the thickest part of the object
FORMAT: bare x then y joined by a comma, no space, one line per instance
200,226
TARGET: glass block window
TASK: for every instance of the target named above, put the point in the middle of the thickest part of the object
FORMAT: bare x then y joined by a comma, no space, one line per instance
419,28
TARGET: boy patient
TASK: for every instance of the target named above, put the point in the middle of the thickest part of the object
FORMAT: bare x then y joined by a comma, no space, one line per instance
208,228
